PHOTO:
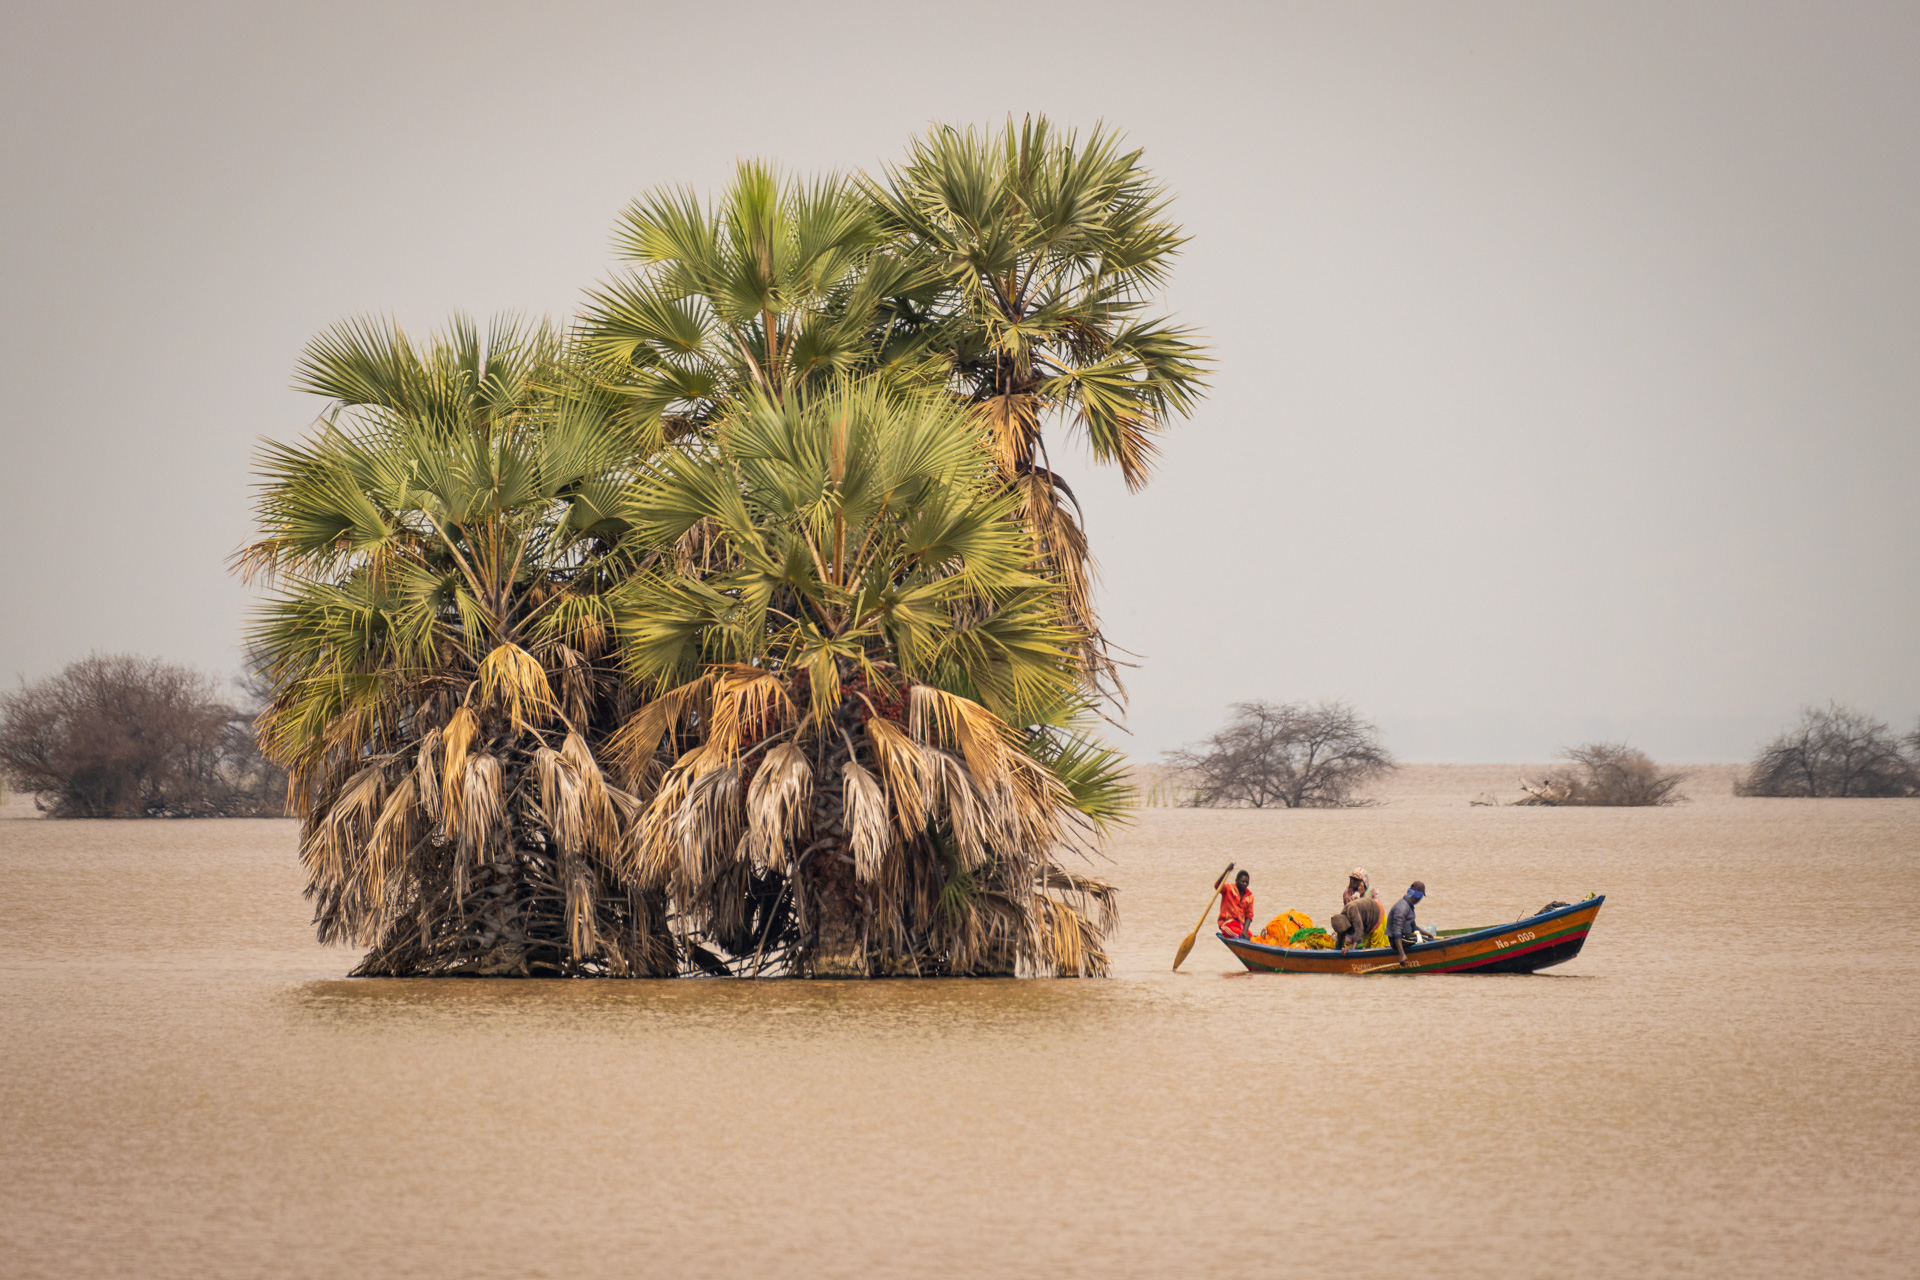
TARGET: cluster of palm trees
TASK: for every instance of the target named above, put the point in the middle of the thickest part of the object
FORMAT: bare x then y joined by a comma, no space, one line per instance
745,626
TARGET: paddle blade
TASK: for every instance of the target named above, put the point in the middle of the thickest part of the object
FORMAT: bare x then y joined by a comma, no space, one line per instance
1188,944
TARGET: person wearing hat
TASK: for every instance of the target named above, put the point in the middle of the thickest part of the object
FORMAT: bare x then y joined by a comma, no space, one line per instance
1358,886
1402,928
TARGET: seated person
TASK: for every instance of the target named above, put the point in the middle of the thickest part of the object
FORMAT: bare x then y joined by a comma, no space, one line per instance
1402,928
1236,907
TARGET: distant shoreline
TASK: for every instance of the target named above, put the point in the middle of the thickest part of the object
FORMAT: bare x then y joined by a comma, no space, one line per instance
1436,784
1424,785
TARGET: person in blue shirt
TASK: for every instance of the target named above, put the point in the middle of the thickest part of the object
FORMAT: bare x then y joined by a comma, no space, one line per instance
1402,928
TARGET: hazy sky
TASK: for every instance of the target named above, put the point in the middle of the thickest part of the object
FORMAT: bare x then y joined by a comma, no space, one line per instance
1569,354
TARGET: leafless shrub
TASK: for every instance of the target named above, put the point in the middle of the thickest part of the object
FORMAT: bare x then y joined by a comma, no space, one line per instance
1293,755
255,777
1835,752
1163,786
1606,774
128,737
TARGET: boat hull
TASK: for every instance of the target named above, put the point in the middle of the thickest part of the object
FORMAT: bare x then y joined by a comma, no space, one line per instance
1550,938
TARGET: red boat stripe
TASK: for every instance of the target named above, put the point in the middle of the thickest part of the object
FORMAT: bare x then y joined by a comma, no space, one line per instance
1555,941
1558,938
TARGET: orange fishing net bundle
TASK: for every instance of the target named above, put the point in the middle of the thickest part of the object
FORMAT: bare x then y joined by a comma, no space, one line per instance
1280,930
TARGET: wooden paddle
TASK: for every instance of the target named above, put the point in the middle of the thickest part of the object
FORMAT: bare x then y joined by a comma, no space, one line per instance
1188,944
1379,968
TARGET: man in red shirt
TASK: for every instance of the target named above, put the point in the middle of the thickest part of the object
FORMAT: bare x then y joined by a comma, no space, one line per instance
1236,907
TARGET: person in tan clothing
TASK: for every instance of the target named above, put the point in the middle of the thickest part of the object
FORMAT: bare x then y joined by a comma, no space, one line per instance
1355,922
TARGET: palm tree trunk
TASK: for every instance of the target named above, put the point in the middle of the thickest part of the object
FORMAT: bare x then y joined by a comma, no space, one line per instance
839,950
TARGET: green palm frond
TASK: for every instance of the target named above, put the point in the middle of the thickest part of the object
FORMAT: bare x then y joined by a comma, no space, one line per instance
439,641
775,284
1048,248
862,562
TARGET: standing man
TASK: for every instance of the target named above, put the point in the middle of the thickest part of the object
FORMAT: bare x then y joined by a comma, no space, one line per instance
1236,907
1402,928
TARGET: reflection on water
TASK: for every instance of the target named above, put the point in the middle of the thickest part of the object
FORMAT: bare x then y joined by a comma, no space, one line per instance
1721,1082
945,1007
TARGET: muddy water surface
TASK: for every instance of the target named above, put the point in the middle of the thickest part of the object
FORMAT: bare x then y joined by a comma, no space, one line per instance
1723,1083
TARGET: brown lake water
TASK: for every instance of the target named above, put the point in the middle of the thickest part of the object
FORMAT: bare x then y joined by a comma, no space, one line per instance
1723,1083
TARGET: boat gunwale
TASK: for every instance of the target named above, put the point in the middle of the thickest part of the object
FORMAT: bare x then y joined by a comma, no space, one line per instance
1491,931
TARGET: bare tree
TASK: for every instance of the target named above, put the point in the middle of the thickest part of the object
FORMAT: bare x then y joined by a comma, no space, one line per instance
1608,774
1293,755
129,737
1835,752
255,777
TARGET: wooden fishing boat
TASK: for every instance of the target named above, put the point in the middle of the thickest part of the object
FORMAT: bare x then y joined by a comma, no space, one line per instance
1552,937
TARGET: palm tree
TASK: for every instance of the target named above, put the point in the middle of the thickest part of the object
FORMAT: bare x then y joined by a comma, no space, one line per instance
864,697
440,654
1050,249
779,283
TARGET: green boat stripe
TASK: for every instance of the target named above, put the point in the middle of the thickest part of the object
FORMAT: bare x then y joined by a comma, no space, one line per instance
1533,944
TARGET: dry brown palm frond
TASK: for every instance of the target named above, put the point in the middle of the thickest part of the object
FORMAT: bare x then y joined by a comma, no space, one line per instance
709,824
336,854
656,838
576,683
394,834
779,805
1135,447
1064,558
257,563
351,735
869,831
331,847
322,857
600,820
748,705
958,803
908,772
937,717
1061,543
634,745
643,779
1066,942
999,934
457,740
483,810
511,678
693,553
628,809
582,933
559,799
426,775
1036,800
999,806
1097,898
1012,422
